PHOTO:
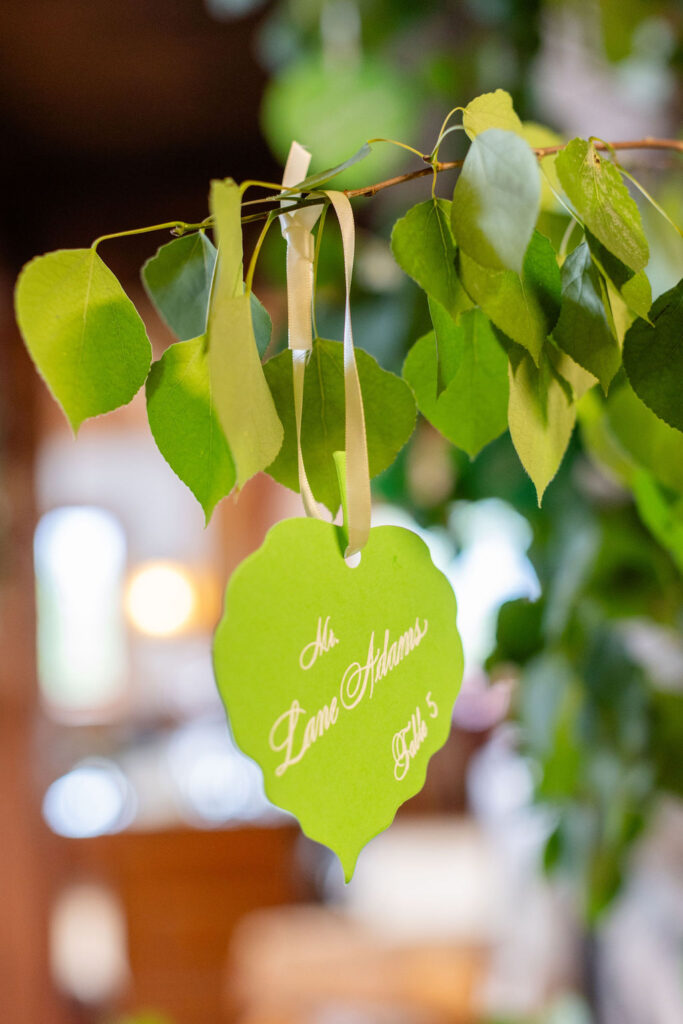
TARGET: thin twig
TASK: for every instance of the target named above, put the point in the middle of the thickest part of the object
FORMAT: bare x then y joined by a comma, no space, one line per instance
449,165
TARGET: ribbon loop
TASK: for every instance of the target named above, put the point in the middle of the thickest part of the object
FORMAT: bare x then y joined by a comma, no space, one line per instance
358,503
297,228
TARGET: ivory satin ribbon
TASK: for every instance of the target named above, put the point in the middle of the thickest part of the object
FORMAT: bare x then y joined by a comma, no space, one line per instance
297,227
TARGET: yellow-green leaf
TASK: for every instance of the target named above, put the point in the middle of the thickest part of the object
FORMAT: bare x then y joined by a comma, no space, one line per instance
243,402
184,423
525,308
602,201
540,416
491,110
82,331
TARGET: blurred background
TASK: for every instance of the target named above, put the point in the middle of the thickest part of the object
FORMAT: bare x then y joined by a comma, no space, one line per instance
144,877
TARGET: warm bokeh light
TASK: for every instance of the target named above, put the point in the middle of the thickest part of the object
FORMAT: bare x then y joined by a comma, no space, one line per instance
161,599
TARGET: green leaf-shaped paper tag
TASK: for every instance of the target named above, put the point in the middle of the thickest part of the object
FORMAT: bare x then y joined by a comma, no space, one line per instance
582,329
389,416
423,246
184,423
602,201
526,308
242,400
83,332
472,410
653,357
491,110
345,688
540,416
496,200
655,445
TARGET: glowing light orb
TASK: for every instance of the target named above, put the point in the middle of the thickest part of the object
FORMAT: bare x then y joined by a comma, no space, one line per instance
161,599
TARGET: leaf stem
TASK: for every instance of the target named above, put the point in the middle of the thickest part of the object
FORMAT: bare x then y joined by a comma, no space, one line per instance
168,225
316,257
257,248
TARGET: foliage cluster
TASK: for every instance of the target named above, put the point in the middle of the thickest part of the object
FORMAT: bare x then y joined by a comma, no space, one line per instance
533,329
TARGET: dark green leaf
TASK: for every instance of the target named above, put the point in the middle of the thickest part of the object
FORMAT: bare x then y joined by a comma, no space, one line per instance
184,423
423,246
262,324
519,632
472,410
653,357
655,445
82,331
634,289
582,330
526,308
178,281
668,725
662,513
602,201
389,416
496,200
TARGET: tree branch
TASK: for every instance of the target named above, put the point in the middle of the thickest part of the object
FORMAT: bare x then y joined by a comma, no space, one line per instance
647,143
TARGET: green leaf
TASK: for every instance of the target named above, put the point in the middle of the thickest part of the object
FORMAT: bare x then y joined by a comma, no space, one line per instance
633,289
491,110
244,405
602,201
496,200
526,308
655,445
662,513
653,357
599,440
262,324
472,410
443,323
540,416
423,246
322,177
184,423
495,110
582,330
389,416
538,136
82,331
178,281
579,381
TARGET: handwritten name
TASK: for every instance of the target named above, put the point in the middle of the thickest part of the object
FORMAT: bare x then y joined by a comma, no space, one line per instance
283,732
379,662
293,734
